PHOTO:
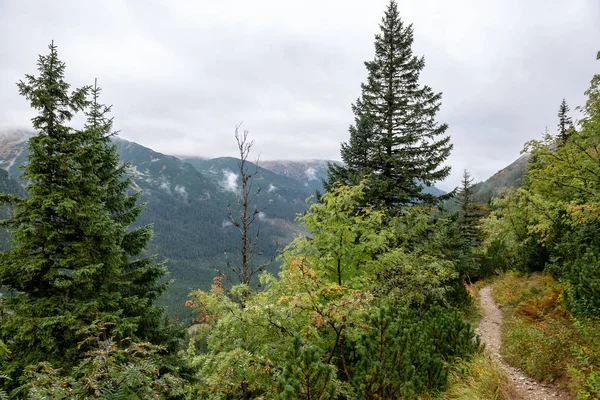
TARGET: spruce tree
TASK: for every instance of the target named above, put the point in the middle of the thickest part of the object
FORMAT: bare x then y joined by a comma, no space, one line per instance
69,266
565,122
402,147
138,280
357,153
469,213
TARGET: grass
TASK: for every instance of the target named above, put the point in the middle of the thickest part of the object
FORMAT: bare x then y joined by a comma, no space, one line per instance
473,313
541,336
481,377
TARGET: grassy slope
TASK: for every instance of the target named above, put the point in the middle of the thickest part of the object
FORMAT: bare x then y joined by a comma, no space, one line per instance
479,378
542,338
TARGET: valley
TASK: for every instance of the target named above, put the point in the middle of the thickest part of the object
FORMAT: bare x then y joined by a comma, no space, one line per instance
187,198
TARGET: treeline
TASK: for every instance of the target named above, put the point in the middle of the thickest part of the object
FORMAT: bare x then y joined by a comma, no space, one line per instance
548,231
552,222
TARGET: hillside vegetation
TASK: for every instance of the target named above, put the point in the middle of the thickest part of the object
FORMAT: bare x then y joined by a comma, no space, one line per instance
551,225
543,338
371,295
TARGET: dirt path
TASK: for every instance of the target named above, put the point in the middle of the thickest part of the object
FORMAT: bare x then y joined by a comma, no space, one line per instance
489,331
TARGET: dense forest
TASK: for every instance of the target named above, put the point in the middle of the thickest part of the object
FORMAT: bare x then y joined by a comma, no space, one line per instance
370,300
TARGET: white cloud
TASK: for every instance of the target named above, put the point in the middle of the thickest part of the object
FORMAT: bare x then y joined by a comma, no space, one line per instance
292,69
180,189
230,181
164,184
310,174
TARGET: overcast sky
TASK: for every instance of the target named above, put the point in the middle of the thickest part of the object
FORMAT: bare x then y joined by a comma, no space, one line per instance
180,74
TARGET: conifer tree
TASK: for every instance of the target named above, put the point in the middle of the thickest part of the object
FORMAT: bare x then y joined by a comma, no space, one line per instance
357,154
469,213
69,266
305,376
404,145
565,122
137,281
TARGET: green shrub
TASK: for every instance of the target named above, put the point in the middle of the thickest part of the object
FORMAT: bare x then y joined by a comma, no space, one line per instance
404,353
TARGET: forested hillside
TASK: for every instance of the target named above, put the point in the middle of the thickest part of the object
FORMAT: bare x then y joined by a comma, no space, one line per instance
281,196
11,187
364,292
188,210
506,178
310,173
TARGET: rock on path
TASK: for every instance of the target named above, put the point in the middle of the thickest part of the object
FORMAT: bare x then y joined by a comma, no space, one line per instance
489,331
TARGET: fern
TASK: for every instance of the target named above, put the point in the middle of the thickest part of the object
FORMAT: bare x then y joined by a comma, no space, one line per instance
123,393
3,394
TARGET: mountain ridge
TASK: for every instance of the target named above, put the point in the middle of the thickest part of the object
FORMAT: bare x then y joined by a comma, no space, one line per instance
187,199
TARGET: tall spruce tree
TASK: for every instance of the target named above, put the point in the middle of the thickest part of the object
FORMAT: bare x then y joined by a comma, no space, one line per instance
69,266
396,140
565,122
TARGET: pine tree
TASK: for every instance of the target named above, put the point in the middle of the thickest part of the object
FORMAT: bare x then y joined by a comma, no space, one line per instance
401,351
69,266
565,122
305,376
402,147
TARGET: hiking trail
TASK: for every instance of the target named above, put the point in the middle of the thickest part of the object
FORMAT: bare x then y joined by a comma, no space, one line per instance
489,331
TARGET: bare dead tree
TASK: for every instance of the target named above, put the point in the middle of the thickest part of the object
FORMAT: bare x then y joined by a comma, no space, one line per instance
244,217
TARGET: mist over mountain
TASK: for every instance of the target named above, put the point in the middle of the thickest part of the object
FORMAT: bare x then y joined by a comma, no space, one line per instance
281,196
187,200
310,173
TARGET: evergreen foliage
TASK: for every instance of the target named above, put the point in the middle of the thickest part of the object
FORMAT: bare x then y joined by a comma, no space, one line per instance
565,122
70,266
396,141
404,352
469,212
108,370
305,376
329,297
